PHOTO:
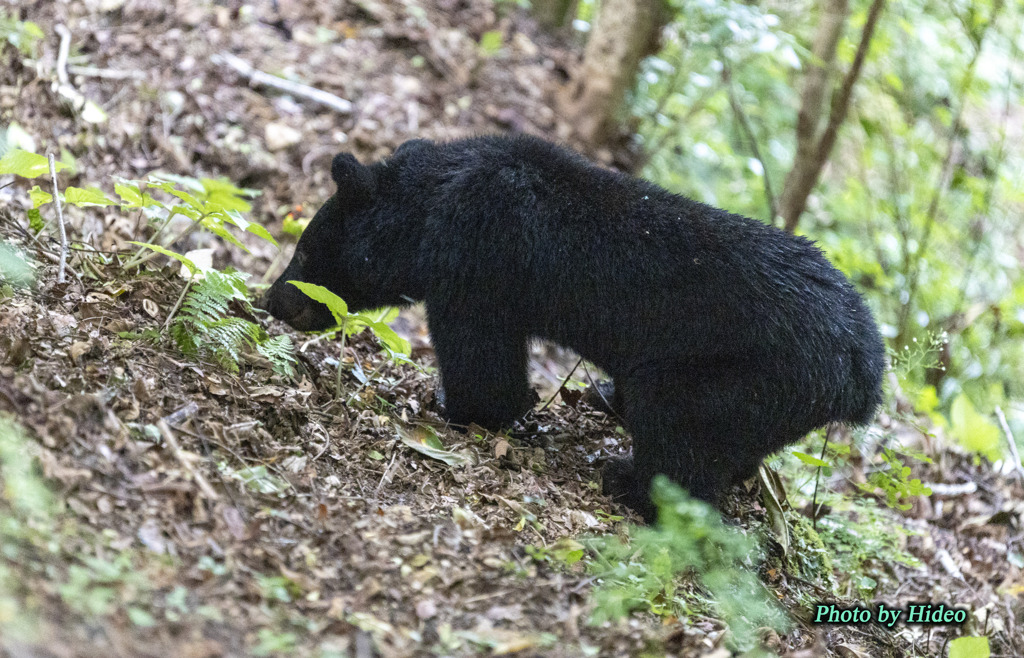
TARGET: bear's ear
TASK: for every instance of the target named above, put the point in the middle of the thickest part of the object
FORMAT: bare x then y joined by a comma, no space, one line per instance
356,183
411,146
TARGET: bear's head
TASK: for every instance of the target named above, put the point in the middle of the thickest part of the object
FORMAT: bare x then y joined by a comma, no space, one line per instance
326,252
363,244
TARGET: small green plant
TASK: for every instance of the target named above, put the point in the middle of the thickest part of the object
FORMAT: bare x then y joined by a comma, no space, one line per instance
644,573
862,543
563,553
203,325
348,324
23,35
895,481
26,511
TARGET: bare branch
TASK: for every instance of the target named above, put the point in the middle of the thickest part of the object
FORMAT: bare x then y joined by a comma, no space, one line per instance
802,177
258,77
184,459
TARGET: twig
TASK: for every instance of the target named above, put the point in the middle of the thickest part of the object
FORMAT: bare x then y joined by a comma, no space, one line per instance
62,53
258,77
108,74
179,454
60,222
814,151
561,386
817,476
1013,443
384,475
748,132
177,304
956,489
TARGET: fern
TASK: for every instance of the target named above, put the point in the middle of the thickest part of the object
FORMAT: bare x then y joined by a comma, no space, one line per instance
203,326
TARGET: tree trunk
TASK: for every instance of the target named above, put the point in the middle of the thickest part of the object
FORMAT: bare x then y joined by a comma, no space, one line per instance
624,32
814,144
554,14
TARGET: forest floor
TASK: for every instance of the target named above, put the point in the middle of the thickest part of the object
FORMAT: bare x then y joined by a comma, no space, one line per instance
318,530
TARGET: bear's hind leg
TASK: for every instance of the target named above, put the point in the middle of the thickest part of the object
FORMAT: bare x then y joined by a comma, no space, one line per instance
700,431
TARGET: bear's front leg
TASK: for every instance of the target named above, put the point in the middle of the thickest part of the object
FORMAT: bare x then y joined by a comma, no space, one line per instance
483,369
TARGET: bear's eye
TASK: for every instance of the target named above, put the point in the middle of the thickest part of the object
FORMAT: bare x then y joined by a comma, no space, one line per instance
300,258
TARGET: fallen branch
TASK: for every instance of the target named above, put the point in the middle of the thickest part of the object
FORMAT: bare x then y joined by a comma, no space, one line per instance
946,489
107,74
179,454
60,222
62,53
258,77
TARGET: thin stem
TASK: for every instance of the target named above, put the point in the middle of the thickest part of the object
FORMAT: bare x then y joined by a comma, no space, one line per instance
60,222
181,298
341,359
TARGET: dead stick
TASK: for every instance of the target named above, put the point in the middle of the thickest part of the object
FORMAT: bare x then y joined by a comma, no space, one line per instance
107,74
1013,443
60,222
177,304
297,88
179,454
62,53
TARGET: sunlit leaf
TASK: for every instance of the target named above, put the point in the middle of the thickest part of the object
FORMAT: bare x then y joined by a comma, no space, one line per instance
192,267
811,460
969,647
89,196
337,305
39,197
25,164
974,430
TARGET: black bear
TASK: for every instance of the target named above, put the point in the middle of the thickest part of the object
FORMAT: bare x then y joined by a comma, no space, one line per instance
726,339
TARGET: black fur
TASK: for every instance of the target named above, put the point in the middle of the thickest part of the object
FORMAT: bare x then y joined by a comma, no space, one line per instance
726,339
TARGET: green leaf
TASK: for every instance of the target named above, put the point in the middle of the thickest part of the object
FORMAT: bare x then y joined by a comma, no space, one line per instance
134,197
974,430
224,195
89,196
39,197
174,191
567,550
217,228
293,226
337,305
187,211
969,647
192,267
424,441
26,164
490,42
256,229
386,334
811,460
260,480
141,618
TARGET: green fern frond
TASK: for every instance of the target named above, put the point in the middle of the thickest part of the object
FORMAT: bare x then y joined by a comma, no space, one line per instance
280,352
203,325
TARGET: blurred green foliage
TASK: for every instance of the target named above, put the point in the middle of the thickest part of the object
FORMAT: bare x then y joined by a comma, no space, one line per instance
641,570
921,201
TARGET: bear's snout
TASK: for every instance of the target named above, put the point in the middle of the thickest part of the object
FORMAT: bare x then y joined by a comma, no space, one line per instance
296,309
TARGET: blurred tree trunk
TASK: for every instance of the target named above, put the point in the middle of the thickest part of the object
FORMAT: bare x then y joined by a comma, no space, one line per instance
554,14
814,143
624,32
